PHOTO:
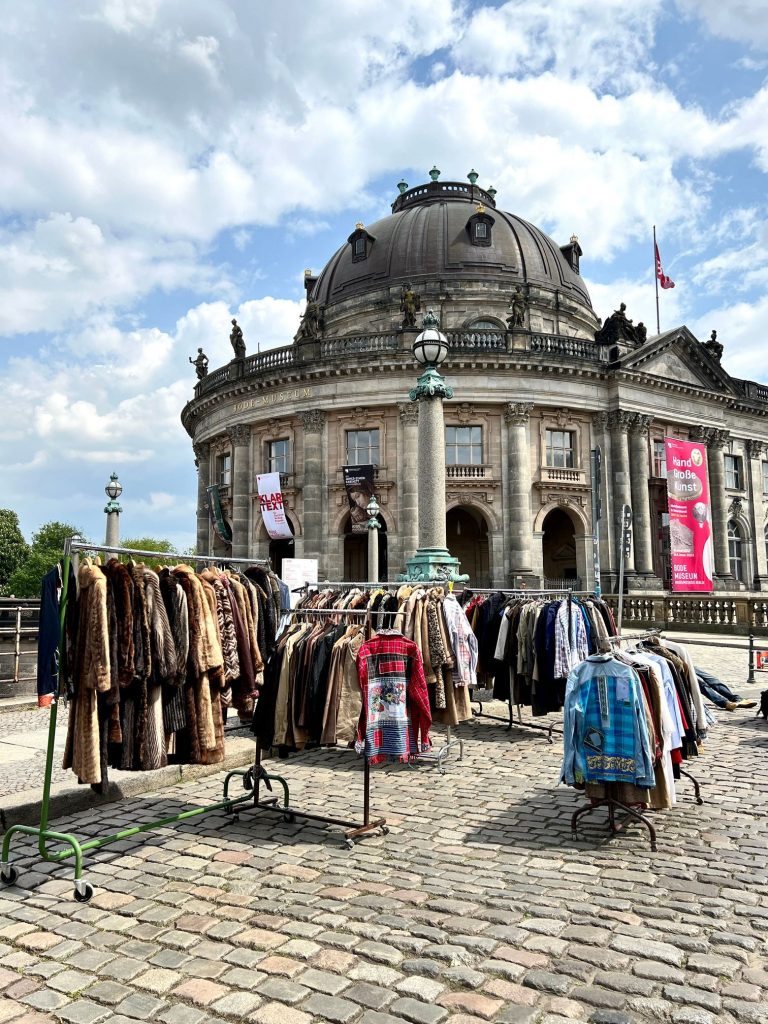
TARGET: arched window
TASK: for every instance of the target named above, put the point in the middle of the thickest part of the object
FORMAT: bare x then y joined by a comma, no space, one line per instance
735,552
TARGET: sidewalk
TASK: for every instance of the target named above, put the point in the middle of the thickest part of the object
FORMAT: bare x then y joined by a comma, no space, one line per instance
24,737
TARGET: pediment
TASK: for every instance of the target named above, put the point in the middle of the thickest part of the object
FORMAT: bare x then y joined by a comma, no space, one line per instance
678,357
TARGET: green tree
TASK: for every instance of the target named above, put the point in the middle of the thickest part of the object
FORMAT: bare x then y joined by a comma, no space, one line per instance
13,547
149,544
44,552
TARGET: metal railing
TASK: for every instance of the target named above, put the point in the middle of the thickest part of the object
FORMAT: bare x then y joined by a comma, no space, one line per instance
19,620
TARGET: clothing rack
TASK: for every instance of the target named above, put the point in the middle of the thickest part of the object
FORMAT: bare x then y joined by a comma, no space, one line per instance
257,774
631,813
511,723
77,847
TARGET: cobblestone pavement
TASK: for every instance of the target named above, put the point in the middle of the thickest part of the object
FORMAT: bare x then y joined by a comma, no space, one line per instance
479,905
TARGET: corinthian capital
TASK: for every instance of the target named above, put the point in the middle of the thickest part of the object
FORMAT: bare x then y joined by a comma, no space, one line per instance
518,412
620,420
240,433
717,438
754,448
600,420
640,424
202,451
409,412
312,420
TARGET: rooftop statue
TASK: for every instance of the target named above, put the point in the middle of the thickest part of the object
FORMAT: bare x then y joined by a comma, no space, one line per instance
410,304
713,346
517,305
311,322
618,327
200,363
237,340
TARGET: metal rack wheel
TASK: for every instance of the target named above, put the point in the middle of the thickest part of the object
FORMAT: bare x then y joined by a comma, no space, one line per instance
349,844
9,875
290,818
385,830
83,892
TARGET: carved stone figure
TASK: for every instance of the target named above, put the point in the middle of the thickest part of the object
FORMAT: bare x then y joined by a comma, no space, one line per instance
517,305
410,304
237,340
311,322
713,346
200,363
618,327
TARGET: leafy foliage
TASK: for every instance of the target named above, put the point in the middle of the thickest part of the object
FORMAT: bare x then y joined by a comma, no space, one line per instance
13,547
43,553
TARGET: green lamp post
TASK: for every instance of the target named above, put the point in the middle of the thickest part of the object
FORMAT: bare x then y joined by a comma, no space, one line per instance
113,490
373,525
432,560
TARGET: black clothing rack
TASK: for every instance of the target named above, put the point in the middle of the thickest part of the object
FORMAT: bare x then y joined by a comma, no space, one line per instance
511,723
355,829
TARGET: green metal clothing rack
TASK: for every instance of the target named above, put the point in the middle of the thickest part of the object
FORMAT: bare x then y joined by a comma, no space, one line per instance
75,847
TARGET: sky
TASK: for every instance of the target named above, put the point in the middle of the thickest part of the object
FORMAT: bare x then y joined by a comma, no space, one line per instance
166,165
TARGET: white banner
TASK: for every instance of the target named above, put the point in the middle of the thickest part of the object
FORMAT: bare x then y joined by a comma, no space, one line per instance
271,503
295,572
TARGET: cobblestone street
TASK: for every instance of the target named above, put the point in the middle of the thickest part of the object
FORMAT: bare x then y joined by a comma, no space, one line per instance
479,905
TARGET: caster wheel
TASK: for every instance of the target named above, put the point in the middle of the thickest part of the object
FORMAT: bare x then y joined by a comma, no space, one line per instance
349,845
85,895
235,818
9,876
385,830
289,818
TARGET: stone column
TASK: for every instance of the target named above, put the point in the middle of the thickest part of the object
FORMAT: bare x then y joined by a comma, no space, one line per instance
519,525
312,422
641,502
408,480
608,567
754,451
203,463
240,436
431,449
716,440
619,423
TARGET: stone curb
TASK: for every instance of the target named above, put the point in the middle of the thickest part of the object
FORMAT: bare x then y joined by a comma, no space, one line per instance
24,808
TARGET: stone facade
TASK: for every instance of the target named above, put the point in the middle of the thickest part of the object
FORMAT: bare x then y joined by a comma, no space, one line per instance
532,385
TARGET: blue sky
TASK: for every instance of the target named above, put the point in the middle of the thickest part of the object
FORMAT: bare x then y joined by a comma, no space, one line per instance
168,164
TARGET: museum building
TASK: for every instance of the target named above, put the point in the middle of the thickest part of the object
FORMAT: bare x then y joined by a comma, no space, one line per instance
538,383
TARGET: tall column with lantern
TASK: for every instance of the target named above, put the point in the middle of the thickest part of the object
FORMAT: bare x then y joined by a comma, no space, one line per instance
432,560
519,526
113,490
202,452
240,435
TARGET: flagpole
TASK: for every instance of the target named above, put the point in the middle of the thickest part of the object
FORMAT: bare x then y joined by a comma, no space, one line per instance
656,279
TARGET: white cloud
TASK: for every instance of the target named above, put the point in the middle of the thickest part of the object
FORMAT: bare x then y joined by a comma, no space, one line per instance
740,20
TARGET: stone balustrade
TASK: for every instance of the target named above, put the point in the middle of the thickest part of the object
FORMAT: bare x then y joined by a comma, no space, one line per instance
703,613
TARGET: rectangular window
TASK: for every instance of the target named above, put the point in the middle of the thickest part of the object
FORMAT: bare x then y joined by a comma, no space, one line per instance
463,446
363,447
359,247
277,456
560,448
659,460
481,230
225,470
733,472
765,478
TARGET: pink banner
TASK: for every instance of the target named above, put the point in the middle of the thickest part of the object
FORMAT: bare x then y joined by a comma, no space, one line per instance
690,515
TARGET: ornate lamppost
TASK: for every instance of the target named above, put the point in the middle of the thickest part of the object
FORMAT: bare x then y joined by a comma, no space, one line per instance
373,525
432,560
113,490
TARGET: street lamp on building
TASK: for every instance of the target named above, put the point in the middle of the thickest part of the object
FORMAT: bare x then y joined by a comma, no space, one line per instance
113,490
432,560
373,525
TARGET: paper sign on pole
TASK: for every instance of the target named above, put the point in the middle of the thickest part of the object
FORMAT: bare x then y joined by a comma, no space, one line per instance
690,515
271,504
295,572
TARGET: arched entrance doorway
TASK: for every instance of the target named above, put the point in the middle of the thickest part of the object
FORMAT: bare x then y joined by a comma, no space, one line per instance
559,549
280,549
356,552
467,536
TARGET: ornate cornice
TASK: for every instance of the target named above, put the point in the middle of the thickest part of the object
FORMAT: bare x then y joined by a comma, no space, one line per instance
736,508
312,420
240,434
465,412
518,412
409,412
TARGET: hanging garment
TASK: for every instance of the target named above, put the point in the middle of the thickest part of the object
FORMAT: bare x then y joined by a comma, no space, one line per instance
395,720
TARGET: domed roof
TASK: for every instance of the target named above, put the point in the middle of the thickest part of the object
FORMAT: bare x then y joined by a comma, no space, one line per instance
430,235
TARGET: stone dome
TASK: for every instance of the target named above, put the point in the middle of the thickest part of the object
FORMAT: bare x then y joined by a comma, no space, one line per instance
449,239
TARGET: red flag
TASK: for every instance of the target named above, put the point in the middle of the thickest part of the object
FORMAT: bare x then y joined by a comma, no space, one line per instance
664,281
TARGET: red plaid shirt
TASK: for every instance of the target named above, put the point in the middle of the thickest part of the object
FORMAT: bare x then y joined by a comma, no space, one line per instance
395,718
